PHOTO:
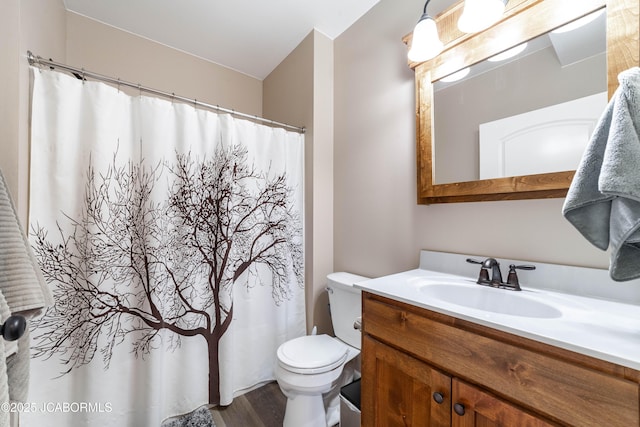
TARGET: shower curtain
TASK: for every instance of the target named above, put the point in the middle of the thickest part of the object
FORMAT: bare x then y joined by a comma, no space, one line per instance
172,240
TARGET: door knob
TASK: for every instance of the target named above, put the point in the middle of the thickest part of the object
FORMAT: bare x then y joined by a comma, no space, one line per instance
459,409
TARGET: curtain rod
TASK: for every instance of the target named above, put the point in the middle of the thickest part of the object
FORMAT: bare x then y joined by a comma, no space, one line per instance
81,73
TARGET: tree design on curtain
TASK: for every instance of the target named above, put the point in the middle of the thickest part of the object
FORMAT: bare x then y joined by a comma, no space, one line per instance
135,266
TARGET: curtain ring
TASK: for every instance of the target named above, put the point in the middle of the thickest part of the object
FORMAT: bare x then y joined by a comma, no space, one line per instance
139,89
83,76
173,97
118,84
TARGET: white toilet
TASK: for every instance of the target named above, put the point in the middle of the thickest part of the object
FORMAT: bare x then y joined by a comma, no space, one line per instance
311,369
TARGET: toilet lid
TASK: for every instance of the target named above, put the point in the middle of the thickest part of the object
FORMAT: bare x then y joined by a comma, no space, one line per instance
312,354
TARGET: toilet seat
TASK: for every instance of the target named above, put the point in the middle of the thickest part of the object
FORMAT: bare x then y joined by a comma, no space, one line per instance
312,354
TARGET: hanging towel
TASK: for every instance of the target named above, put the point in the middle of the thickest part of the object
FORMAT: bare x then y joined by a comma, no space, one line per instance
603,201
21,280
23,291
5,416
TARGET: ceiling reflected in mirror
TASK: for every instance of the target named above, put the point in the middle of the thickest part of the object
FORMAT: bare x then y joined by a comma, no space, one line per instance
572,42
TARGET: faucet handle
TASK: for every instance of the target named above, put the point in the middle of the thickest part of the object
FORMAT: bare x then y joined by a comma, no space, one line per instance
524,267
512,278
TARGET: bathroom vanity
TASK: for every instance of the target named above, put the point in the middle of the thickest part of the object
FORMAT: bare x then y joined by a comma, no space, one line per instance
533,358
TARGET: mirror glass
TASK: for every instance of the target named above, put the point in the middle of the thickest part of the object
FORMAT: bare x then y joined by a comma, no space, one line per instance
531,113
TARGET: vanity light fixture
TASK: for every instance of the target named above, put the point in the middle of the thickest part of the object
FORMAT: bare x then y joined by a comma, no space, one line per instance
478,15
425,43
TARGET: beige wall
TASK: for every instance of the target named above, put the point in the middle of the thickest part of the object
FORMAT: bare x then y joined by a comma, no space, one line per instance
300,91
10,90
34,25
106,50
378,227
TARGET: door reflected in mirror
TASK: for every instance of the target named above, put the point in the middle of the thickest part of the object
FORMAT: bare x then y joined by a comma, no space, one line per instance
525,114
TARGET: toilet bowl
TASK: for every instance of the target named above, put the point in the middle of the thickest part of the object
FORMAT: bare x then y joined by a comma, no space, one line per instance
311,369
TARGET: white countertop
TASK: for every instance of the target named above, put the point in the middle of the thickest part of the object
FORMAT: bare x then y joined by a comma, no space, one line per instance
595,327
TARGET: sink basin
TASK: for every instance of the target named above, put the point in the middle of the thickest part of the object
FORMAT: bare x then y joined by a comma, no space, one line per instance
490,300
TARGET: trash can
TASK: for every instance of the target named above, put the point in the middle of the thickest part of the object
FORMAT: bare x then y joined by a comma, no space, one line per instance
350,405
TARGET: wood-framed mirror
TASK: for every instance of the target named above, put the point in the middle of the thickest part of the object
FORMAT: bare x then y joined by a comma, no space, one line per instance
523,21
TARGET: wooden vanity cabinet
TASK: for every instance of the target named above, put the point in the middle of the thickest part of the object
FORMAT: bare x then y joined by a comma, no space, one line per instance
400,389
405,391
421,368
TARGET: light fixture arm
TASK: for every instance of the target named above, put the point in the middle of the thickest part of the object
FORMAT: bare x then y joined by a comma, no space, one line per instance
425,6
424,10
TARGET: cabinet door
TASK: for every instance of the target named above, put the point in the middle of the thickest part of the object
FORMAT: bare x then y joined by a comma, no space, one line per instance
398,390
473,407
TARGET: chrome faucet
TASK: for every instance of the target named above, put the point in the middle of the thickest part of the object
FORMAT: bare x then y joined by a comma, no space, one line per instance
496,275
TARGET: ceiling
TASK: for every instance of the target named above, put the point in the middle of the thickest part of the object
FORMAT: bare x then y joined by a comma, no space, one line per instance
248,36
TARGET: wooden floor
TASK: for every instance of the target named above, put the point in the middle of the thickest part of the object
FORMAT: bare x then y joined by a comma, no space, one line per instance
262,407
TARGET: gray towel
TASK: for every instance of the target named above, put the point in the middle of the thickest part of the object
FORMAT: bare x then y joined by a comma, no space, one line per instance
603,201
23,291
21,280
5,393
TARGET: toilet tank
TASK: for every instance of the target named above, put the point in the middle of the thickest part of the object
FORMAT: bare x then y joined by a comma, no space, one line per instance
345,302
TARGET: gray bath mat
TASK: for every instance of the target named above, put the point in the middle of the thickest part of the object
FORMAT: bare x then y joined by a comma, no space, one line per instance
201,417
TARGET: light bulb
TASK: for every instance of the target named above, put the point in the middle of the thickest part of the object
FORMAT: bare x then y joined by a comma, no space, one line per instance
425,43
480,14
